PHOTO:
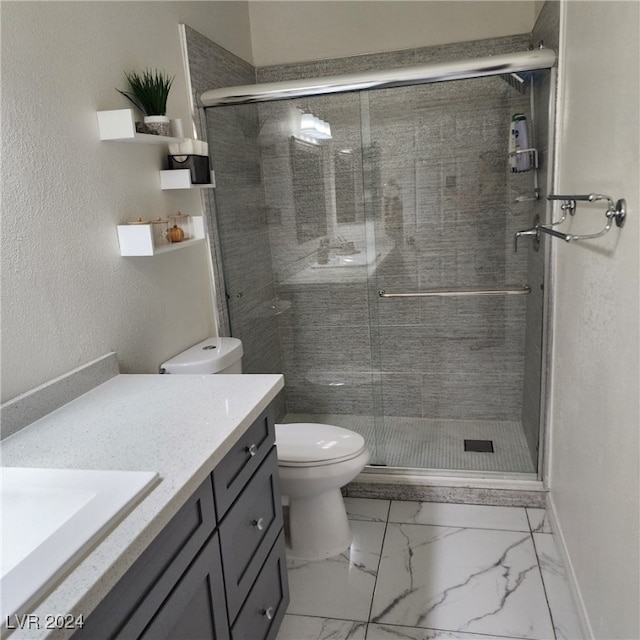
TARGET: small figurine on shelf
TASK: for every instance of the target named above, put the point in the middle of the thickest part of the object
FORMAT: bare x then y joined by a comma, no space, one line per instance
175,234
179,227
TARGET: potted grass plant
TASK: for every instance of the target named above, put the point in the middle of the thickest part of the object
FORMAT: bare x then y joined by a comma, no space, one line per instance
149,92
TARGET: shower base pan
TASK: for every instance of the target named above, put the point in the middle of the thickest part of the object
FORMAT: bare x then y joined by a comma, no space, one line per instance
419,443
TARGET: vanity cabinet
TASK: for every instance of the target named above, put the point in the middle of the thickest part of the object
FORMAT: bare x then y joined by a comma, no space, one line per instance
218,569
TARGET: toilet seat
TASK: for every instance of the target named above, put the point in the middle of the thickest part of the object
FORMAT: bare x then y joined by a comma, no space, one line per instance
310,444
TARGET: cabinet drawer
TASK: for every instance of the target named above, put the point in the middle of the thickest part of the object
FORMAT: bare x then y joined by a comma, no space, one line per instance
264,608
129,605
235,469
249,530
195,607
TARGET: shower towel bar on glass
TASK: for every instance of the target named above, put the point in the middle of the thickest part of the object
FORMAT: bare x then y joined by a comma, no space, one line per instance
446,293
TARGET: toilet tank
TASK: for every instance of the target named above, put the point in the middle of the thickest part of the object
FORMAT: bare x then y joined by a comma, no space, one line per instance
214,355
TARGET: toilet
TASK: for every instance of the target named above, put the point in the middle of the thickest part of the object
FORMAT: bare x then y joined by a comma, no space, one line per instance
314,461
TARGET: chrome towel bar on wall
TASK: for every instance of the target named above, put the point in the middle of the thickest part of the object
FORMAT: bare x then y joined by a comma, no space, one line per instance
446,293
615,211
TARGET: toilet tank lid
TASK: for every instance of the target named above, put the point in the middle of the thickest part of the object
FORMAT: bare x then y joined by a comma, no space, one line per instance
209,356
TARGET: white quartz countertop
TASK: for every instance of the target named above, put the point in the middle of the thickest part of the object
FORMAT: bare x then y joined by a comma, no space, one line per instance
178,426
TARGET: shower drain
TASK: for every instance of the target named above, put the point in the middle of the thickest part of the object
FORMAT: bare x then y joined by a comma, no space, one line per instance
479,446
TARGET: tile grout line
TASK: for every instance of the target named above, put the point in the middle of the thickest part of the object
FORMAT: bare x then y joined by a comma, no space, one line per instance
465,633
375,584
459,526
544,584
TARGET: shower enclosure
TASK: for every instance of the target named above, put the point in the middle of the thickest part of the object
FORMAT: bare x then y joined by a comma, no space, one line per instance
366,242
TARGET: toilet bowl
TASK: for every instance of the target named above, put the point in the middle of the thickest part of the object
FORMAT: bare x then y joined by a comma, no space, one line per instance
314,460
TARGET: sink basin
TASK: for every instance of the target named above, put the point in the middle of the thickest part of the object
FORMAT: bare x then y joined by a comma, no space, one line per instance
50,518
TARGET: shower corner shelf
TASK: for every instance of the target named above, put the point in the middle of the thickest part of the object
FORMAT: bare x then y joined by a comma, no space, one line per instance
137,239
118,125
524,156
181,179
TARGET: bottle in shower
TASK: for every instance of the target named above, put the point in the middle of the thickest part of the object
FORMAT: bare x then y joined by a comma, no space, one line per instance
520,137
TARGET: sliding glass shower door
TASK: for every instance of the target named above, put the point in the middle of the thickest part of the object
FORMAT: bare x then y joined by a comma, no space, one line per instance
449,295
331,209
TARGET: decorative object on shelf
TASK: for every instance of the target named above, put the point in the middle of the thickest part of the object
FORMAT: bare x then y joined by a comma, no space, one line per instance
179,227
139,239
175,234
191,155
138,221
149,93
177,130
198,167
160,229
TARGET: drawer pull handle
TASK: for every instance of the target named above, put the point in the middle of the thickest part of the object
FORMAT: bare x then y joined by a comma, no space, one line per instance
268,613
258,524
252,450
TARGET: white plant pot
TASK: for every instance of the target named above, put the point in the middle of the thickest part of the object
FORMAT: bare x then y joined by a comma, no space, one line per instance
160,125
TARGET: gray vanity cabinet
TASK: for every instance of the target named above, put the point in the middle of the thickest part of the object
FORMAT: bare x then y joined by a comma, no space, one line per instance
217,570
195,607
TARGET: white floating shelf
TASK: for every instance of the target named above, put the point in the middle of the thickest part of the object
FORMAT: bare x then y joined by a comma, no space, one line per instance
181,179
137,239
119,125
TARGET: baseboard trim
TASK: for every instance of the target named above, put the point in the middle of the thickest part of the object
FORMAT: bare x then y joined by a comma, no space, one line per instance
574,588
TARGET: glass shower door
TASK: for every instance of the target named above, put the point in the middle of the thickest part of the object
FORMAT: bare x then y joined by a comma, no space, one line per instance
320,258
405,190
443,206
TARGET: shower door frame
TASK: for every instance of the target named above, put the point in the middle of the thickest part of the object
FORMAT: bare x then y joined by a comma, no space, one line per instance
396,475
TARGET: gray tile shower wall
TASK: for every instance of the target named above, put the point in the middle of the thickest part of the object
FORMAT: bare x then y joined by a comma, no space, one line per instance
239,231
237,215
438,155
443,149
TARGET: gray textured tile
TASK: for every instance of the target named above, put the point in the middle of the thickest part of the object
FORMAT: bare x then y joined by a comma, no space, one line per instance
326,348
402,394
340,392
447,156
325,304
472,396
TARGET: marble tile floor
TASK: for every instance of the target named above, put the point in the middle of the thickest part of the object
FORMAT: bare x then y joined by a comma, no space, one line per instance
422,571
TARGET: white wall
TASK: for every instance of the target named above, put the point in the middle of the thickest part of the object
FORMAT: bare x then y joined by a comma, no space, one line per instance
67,295
294,31
596,354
